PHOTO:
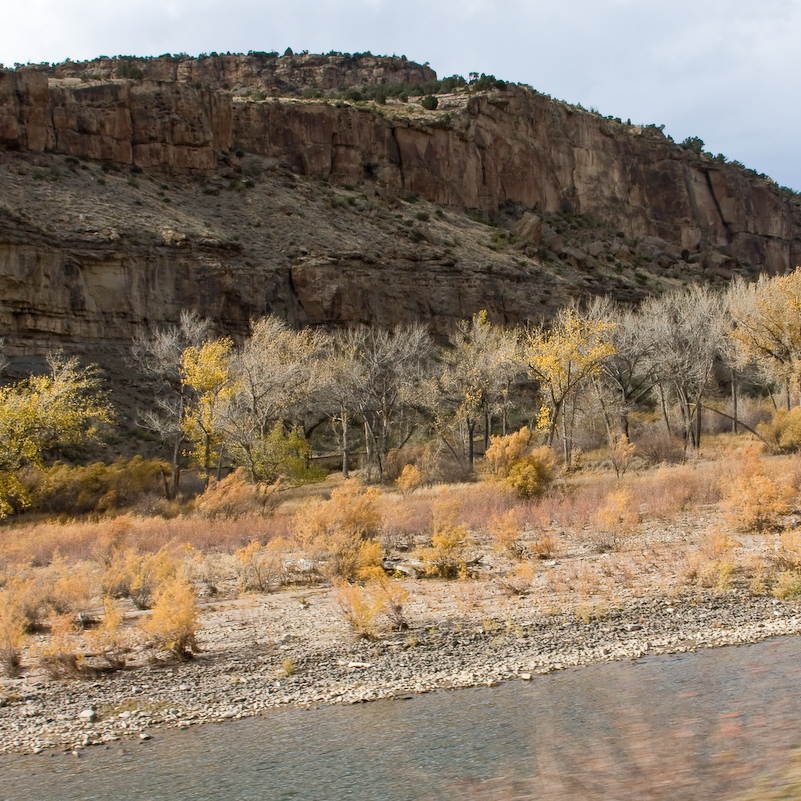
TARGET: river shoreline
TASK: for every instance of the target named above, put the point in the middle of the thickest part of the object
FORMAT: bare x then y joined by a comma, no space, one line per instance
291,652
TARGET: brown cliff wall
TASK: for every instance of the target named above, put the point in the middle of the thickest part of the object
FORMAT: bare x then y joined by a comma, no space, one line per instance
62,284
522,147
143,123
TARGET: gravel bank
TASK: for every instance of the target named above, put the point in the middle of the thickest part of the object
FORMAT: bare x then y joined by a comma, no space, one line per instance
284,652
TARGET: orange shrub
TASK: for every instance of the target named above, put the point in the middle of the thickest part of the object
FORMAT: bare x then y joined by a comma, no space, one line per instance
173,624
754,500
338,534
234,496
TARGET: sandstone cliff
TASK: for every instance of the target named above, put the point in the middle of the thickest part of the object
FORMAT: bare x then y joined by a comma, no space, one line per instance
123,201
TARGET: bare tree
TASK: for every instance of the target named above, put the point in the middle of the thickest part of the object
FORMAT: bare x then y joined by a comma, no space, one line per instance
686,331
479,371
274,375
392,375
159,356
626,376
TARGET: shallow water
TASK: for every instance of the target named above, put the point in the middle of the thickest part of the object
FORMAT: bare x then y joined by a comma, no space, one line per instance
704,725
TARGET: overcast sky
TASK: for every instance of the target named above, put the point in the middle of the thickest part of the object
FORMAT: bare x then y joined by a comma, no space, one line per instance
723,70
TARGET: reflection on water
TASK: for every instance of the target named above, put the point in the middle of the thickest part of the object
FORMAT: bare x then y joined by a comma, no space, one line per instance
694,726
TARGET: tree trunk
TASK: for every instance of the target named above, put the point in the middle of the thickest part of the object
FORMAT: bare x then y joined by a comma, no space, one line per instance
471,426
734,400
345,444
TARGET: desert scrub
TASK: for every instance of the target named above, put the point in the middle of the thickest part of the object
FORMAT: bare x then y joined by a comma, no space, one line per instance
234,496
173,624
754,500
511,461
410,479
338,535
111,640
615,521
519,580
787,585
261,567
135,575
712,562
507,534
452,551
12,631
373,607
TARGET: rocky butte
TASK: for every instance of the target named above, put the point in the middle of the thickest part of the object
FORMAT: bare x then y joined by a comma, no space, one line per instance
320,188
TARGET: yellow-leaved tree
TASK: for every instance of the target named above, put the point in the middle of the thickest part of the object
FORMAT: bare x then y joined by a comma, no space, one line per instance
562,358
766,326
206,370
43,414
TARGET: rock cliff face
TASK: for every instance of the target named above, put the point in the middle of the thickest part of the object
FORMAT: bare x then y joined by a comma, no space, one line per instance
517,146
267,72
123,201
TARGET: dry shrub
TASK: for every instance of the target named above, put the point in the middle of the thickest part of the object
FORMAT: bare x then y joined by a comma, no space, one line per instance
783,432
621,452
754,500
452,552
545,544
527,472
519,580
712,563
787,585
532,474
399,458
338,535
410,479
234,496
111,640
173,624
62,654
402,519
504,451
673,489
788,549
508,534
69,588
262,567
12,630
363,610
658,446
615,521
137,576
96,487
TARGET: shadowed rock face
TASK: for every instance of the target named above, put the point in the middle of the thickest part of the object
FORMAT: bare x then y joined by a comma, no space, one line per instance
76,283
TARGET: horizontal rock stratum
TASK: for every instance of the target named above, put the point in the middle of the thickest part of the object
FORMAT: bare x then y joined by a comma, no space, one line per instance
189,121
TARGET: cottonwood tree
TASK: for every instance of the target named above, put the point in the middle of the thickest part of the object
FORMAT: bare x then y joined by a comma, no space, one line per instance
686,331
479,370
626,377
342,381
392,377
42,413
562,359
206,371
159,355
275,373
766,327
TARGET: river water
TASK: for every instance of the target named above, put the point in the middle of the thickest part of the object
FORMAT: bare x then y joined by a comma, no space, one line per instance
707,725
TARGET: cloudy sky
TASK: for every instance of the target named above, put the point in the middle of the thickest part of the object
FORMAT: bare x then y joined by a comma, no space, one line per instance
723,70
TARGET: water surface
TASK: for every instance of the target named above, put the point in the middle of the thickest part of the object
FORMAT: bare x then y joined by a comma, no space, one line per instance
704,725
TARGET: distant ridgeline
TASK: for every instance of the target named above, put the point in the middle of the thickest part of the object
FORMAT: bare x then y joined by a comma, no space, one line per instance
388,129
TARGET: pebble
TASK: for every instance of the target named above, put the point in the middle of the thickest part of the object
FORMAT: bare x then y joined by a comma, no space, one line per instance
452,654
